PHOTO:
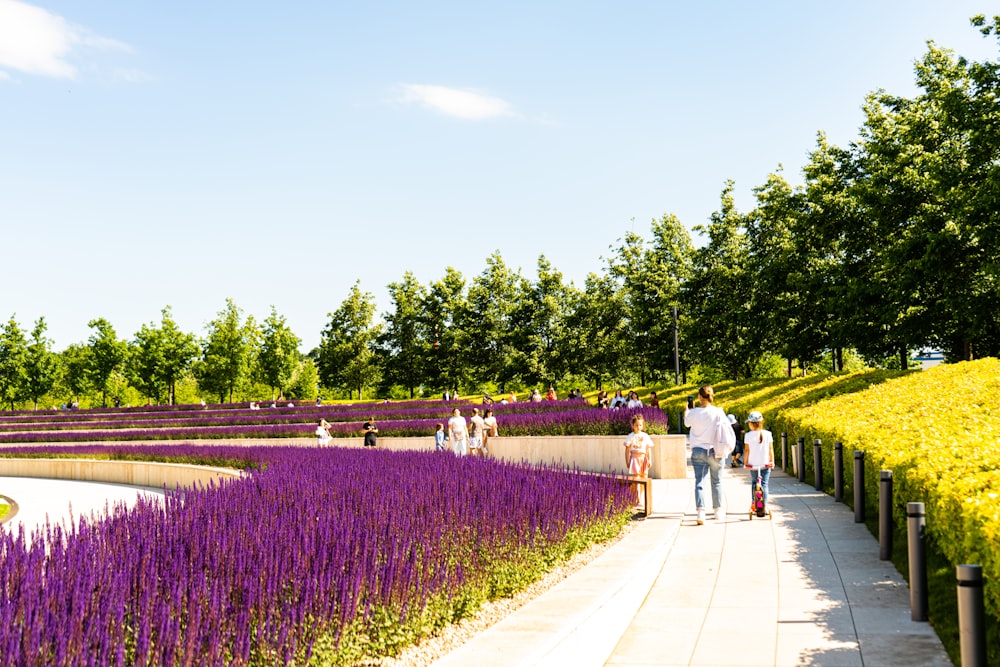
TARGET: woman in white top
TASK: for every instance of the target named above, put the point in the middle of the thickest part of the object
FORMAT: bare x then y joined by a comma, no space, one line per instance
758,453
458,433
323,433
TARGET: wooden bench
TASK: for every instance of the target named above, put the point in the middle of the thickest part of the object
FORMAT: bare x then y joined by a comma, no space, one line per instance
647,487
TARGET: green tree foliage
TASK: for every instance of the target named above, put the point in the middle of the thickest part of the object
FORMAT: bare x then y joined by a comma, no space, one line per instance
107,356
346,357
75,376
405,341
41,366
721,330
278,358
445,313
493,299
13,359
227,353
650,276
159,358
542,351
597,331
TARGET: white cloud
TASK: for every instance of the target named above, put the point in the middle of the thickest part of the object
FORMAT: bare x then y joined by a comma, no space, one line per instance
35,41
467,104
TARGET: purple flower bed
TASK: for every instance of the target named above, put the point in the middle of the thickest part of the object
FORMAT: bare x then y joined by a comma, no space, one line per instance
306,558
418,421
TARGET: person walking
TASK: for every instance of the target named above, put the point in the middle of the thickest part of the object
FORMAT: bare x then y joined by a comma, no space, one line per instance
323,433
440,437
758,453
476,429
370,430
491,429
458,433
706,422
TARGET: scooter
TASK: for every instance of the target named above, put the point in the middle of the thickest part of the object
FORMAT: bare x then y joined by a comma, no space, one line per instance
758,506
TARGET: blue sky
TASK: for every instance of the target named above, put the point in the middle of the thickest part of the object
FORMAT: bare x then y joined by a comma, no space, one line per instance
180,153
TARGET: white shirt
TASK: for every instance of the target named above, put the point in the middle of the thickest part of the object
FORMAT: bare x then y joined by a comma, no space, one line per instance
634,403
704,424
457,429
757,452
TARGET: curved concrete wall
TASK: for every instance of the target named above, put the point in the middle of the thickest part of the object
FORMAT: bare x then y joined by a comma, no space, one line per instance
136,473
591,453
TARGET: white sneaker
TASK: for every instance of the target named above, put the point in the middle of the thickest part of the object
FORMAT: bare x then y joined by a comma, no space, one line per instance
701,517
720,514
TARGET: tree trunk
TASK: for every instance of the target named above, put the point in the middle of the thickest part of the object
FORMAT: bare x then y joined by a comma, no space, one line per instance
789,367
903,358
967,350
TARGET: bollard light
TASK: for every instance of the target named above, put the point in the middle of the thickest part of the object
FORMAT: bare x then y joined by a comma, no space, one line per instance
838,472
971,616
916,546
885,515
859,486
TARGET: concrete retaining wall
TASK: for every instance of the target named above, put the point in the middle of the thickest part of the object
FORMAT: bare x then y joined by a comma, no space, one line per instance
592,453
136,473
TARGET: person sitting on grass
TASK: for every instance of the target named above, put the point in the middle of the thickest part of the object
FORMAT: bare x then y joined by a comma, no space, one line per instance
637,451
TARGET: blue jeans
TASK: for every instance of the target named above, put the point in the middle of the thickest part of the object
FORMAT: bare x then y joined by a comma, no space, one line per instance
705,463
765,475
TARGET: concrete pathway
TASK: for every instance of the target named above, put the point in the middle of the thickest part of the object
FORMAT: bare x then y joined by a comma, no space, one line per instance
806,588
61,501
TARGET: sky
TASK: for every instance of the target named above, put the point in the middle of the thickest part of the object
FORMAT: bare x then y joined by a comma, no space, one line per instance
182,153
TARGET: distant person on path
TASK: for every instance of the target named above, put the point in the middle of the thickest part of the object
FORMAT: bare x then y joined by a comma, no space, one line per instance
738,449
638,446
476,429
323,433
440,437
370,430
513,397
447,395
458,433
706,421
491,430
759,453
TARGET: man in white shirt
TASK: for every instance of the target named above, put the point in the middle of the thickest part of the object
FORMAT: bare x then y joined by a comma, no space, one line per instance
477,426
458,433
705,421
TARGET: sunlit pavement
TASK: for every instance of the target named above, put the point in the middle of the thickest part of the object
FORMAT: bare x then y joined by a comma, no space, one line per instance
805,588
63,502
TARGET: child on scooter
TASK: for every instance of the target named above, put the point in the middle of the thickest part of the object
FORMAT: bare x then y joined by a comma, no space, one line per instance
758,453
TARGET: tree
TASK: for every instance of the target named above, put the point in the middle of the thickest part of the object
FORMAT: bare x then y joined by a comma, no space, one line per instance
41,364
596,331
75,363
539,323
279,353
160,356
405,340
107,355
346,352
492,301
720,330
445,312
227,353
13,359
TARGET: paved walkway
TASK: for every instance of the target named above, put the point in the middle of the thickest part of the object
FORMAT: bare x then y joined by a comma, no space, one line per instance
62,501
806,588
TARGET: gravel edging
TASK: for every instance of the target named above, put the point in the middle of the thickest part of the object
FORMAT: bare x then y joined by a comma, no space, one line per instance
448,639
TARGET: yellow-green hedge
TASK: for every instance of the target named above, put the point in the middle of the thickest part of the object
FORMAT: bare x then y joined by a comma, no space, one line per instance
939,432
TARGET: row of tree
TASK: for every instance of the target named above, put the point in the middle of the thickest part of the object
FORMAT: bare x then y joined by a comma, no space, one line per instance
889,244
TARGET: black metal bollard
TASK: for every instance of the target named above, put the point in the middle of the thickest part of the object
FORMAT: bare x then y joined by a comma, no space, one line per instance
885,515
838,472
859,486
818,464
916,527
784,452
971,616
800,458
